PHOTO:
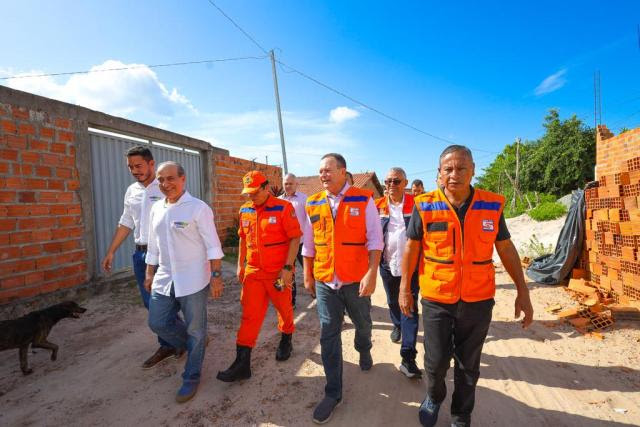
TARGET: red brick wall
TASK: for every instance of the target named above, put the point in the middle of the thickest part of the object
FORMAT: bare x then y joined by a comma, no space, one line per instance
41,231
611,253
227,185
613,151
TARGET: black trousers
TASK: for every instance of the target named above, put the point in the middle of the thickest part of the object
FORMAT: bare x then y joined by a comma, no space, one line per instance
455,330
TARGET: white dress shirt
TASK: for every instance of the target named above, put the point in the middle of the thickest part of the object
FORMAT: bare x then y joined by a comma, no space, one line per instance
138,200
373,231
182,240
396,238
299,200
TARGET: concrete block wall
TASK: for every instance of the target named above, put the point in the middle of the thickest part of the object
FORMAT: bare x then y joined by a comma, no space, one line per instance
227,185
42,247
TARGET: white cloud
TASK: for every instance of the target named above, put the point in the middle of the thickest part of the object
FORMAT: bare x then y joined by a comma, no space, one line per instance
552,83
134,90
342,114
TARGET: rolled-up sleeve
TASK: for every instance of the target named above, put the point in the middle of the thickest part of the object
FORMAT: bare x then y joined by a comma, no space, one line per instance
126,218
152,257
375,240
207,230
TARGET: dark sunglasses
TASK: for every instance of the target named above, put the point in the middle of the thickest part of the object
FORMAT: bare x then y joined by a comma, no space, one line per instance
394,181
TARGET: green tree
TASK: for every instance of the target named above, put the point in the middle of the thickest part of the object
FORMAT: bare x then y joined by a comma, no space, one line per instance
563,159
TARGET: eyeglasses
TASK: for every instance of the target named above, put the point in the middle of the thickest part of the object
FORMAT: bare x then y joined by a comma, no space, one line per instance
394,181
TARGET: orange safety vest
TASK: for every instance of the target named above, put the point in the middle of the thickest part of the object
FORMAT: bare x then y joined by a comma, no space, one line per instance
453,268
340,242
266,238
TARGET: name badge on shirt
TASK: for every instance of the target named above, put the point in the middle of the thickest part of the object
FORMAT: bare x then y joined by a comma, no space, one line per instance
354,211
487,225
180,225
154,198
272,220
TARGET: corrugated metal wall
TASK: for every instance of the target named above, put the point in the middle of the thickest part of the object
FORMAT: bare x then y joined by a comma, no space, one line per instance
111,178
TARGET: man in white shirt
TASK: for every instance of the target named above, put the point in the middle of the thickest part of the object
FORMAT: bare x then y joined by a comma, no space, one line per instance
138,199
395,212
183,266
298,200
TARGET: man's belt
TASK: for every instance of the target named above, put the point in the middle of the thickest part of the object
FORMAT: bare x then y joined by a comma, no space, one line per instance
141,248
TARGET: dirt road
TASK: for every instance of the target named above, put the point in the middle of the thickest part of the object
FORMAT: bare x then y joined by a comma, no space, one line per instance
547,375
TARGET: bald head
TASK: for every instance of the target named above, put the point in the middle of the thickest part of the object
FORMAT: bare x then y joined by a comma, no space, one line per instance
290,184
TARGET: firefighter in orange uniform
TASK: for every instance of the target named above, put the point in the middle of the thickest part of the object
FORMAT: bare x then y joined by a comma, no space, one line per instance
269,238
454,230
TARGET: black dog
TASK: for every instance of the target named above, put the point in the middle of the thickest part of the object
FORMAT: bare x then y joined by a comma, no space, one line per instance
34,328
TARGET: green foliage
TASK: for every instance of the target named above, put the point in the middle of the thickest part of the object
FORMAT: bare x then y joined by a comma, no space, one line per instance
562,160
535,248
547,211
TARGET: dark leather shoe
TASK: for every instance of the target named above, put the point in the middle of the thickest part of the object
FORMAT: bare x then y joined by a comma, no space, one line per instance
161,354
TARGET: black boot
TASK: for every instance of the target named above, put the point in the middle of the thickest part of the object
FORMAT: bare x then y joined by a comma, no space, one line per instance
284,348
240,369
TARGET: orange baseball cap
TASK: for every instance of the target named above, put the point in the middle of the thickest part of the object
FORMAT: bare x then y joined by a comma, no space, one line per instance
252,181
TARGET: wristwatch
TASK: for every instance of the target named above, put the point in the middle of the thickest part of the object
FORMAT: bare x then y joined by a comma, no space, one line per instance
216,274
287,267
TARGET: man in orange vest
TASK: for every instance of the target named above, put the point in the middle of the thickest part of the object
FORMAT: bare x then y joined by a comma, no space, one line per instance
454,230
395,211
341,256
269,239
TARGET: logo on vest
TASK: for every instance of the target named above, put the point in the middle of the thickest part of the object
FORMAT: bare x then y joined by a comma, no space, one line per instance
354,211
487,225
245,222
272,220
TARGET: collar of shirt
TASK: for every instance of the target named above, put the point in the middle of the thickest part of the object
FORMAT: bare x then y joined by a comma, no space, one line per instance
185,198
267,203
340,194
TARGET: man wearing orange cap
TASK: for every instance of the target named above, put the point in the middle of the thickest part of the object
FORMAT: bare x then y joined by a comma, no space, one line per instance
269,238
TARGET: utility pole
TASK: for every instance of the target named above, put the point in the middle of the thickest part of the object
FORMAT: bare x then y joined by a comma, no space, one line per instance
277,93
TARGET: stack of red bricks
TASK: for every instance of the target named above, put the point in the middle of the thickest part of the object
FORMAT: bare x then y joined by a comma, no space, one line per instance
613,220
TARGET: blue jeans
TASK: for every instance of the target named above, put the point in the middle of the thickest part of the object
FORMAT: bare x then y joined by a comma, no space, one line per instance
192,334
331,305
139,269
408,325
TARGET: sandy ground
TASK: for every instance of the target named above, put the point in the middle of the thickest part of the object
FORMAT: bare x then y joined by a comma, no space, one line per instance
548,375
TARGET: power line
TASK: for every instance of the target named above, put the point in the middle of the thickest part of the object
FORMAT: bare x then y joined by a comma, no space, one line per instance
133,67
239,27
375,110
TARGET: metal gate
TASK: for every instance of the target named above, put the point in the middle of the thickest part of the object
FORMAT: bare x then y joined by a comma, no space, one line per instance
111,178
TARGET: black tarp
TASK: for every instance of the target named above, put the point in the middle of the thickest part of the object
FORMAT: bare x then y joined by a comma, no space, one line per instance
553,268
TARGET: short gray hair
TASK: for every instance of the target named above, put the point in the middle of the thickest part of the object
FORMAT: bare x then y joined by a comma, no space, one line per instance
455,148
399,170
289,175
176,164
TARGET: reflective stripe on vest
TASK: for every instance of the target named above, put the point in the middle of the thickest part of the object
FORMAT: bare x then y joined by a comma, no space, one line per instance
266,239
454,266
341,243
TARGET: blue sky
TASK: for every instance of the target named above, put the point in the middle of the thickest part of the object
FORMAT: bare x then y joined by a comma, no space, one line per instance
477,73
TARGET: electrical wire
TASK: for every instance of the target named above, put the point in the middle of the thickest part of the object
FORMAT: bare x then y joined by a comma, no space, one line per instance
238,27
133,67
375,110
